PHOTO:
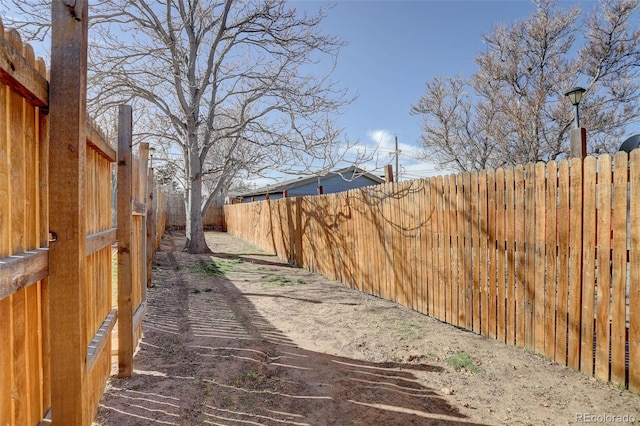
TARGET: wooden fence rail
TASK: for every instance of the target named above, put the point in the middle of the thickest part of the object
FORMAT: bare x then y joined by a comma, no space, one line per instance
543,256
56,234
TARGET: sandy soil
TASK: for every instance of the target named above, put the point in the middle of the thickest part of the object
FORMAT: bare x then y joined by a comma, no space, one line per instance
241,338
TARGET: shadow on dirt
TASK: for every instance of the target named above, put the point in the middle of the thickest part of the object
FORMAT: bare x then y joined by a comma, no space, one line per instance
209,357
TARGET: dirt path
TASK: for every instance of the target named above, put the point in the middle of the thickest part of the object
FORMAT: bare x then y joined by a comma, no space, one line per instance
241,338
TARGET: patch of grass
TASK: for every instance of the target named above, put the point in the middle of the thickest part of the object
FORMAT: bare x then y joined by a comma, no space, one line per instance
196,291
463,360
410,329
248,400
252,374
279,279
300,281
215,268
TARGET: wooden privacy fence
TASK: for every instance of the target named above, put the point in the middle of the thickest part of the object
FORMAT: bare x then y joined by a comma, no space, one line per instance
176,216
545,256
56,236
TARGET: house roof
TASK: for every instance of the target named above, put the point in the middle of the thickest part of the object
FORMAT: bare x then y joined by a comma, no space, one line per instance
300,181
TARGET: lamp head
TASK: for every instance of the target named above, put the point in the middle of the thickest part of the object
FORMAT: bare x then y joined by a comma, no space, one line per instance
575,95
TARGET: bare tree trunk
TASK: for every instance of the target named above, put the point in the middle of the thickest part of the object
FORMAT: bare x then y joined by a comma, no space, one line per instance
196,242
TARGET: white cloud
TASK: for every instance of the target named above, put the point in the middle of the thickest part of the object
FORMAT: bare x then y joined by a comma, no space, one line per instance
382,138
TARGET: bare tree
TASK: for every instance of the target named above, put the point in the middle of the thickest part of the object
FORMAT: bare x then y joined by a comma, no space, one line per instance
226,84
513,109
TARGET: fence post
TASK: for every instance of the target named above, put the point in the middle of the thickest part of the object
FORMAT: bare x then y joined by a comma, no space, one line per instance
151,224
125,193
69,396
578,142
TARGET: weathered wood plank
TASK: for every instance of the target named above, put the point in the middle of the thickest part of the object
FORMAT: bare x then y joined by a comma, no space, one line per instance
138,208
461,255
509,198
483,228
551,259
101,339
619,268
98,142
138,315
151,226
603,309
519,247
530,243
453,230
575,263
125,246
475,251
491,255
21,270
563,263
22,76
540,258
634,278
468,260
588,263
501,270
68,218
442,267
100,240
6,358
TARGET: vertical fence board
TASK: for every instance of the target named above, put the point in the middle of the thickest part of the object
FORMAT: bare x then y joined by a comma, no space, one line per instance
475,251
520,271
19,362
483,295
575,262
588,263
491,280
452,316
540,258
442,277
468,261
530,266
634,277
6,355
420,247
446,250
619,268
563,264
6,358
431,247
603,311
404,283
415,247
461,254
500,257
510,231
549,286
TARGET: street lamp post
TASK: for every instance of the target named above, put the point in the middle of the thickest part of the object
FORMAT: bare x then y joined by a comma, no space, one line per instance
577,135
575,96
152,152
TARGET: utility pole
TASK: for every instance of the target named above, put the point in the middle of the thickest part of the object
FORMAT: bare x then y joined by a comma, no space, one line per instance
397,160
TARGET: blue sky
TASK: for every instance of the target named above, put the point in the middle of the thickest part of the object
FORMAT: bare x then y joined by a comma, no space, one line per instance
393,48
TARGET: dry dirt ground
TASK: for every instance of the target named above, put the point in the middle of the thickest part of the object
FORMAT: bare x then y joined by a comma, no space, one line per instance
241,338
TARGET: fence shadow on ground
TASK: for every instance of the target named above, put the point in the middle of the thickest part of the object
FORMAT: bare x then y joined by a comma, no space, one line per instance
209,357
